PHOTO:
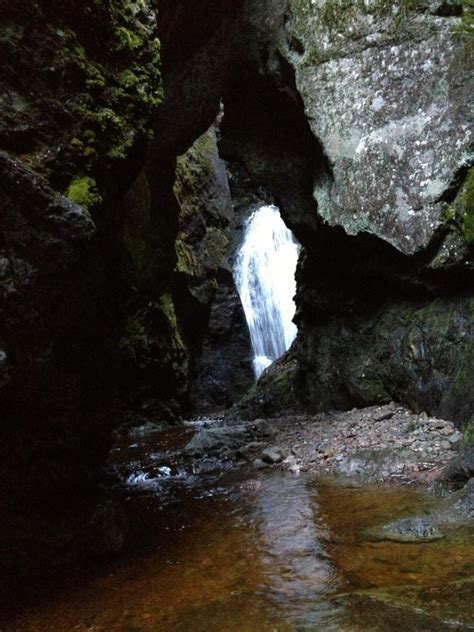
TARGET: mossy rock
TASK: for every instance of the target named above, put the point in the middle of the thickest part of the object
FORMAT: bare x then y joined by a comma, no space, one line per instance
459,216
95,96
153,351
83,191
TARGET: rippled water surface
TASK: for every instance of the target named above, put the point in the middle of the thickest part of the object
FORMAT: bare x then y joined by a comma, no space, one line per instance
214,548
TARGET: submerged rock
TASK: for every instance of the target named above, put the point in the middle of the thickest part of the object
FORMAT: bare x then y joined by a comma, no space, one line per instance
407,530
413,607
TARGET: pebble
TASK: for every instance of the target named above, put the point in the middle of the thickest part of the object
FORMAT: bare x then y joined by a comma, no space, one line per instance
387,414
272,455
455,437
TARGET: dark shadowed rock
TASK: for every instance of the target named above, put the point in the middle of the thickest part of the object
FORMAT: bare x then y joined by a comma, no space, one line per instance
225,370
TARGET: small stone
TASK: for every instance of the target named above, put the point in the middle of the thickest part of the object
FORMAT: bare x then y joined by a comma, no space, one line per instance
445,445
382,415
259,464
245,450
448,430
272,455
328,453
455,437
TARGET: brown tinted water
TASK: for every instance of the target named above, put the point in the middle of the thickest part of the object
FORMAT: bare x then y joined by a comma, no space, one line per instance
213,548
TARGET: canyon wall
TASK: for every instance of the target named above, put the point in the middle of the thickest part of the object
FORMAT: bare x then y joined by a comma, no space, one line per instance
385,285
117,212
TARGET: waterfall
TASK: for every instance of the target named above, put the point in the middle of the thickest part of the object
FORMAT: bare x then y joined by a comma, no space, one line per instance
264,273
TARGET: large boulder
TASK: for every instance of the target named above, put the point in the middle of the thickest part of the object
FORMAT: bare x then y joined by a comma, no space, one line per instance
385,86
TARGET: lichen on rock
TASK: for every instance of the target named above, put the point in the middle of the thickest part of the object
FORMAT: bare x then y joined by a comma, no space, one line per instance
375,79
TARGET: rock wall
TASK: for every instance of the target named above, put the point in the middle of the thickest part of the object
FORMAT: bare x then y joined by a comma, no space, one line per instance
79,86
94,317
385,89
212,318
379,94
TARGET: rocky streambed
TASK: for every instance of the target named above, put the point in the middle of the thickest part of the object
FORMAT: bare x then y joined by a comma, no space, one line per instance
280,525
376,444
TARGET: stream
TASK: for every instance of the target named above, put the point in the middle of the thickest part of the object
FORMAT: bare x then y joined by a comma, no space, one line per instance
216,547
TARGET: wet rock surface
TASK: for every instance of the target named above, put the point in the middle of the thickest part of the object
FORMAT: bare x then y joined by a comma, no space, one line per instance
407,530
414,608
225,370
375,445
418,353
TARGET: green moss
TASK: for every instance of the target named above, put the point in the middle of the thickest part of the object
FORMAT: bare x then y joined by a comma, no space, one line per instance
186,260
465,29
152,336
167,308
448,214
119,152
136,341
339,14
368,389
461,212
341,23
468,435
89,136
215,247
90,152
117,87
83,191
467,203
128,79
77,143
128,39
276,390
166,305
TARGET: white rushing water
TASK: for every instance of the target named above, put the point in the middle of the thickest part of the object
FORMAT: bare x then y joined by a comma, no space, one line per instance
264,274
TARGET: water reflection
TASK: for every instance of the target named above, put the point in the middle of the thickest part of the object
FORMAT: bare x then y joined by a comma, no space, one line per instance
215,549
298,570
